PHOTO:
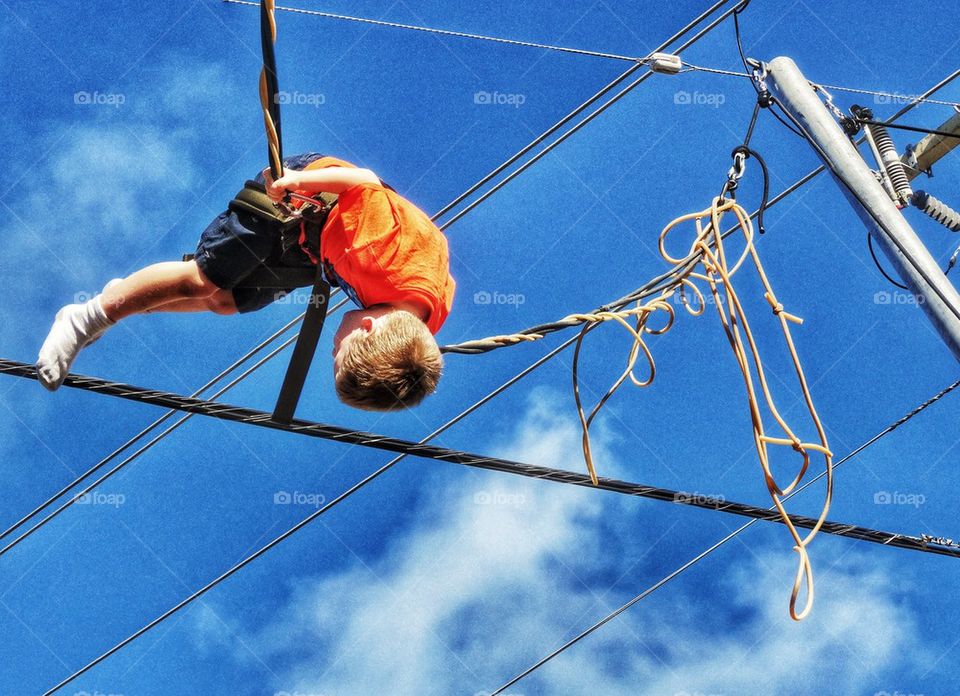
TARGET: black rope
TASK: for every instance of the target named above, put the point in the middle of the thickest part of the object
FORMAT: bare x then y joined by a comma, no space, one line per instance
880,268
238,414
915,129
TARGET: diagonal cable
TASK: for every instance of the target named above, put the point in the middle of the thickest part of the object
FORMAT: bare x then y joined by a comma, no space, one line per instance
706,552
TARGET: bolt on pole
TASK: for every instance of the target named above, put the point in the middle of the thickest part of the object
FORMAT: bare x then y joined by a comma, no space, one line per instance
886,224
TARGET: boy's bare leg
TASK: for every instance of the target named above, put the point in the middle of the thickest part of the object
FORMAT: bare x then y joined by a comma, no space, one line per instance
172,286
160,284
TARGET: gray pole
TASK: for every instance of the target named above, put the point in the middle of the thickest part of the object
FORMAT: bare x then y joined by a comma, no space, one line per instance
935,294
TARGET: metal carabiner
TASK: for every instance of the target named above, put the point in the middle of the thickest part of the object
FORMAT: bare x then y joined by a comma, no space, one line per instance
735,172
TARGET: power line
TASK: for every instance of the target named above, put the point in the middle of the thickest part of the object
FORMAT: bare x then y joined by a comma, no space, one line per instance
324,431
421,449
706,552
573,114
310,518
606,105
150,428
291,531
549,47
435,217
813,173
443,32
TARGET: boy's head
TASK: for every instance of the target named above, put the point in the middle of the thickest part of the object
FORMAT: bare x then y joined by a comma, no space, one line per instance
385,359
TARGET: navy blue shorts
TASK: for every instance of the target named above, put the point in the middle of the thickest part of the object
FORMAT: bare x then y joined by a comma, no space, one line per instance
235,244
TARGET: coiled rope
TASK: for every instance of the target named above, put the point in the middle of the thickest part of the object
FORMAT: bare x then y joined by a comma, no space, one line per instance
708,263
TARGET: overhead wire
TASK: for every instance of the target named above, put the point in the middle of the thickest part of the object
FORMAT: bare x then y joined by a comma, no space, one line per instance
275,148
324,431
146,431
801,182
421,449
142,450
706,552
442,32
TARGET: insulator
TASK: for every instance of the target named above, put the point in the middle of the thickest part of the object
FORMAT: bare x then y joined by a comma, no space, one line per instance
938,210
891,162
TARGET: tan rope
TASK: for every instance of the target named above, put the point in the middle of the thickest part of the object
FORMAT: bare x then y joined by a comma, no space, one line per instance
713,268
718,274
266,97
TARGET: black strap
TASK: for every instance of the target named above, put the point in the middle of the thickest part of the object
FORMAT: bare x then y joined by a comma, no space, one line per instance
303,352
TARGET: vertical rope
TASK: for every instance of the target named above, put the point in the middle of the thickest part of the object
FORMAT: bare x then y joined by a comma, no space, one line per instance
269,87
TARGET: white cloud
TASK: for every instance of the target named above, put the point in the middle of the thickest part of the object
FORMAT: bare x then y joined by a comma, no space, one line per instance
487,584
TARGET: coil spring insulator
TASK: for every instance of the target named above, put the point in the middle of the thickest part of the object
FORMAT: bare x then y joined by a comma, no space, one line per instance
891,162
937,209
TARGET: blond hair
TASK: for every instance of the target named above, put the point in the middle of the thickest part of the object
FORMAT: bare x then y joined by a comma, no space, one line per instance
392,368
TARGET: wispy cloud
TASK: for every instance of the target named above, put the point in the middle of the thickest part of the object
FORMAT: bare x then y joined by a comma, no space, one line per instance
501,570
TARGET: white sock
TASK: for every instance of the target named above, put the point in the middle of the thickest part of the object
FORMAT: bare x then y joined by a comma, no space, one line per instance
75,327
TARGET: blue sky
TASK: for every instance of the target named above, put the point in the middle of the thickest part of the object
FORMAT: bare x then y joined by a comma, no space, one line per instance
436,579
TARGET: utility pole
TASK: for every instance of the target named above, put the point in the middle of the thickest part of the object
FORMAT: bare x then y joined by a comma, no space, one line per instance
936,295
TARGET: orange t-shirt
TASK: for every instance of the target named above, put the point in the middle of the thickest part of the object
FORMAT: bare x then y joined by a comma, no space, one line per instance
387,249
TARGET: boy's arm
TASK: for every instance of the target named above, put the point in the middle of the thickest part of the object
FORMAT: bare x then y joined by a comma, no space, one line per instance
326,180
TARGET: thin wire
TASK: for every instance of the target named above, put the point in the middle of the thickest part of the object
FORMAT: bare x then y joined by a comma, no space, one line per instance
876,262
444,32
891,95
146,431
549,47
813,173
893,426
570,116
86,491
307,520
699,557
689,67
610,102
915,129
324,431
292,530
954,310
421,449
437,215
